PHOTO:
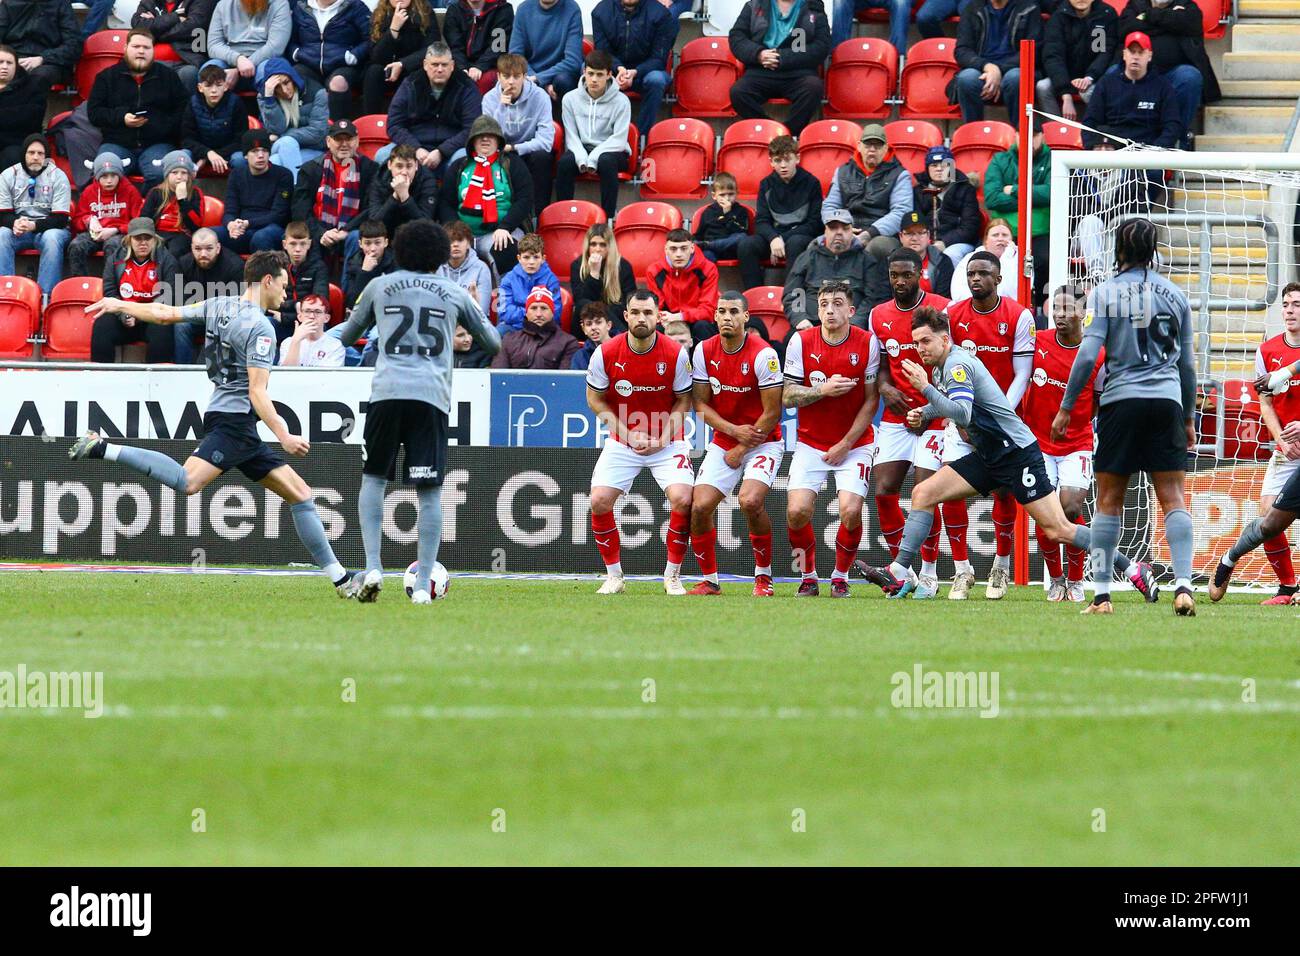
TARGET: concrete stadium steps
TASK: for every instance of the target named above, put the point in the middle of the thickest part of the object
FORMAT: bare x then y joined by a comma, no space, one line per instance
1282,36
1249,119
1228,283
1261,65
1239,324
1249,10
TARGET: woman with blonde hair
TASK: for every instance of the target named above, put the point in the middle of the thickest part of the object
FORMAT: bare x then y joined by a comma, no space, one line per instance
296,116
175,205
998,240
400,32
601,275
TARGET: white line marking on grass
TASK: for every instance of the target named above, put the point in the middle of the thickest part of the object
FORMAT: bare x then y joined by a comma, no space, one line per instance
1181,676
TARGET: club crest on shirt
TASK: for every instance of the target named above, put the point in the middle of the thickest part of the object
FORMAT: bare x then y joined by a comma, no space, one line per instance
1002,328
661,367
744,368
853,359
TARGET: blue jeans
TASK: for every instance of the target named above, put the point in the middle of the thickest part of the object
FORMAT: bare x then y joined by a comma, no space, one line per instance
681,6
49,244
929,19
96,17
286,152
900,13
969,85
143,162
184,348
651,86
725,248
260,240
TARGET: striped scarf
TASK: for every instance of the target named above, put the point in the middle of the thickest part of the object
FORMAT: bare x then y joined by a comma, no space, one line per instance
338,199
481,194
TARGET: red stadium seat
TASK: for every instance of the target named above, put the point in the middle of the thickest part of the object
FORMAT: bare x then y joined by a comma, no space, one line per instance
861,80
100,51
1117,5
67,327
695,225
678,158
706,72
1062,136
336,305
563,227
911,140
744,152
59,159
566,310
826,145
558,146
20,316
974,144
930,65
1212,13
640,230
165,53
372,134
213,210
587,46
634,147
255,123
765,303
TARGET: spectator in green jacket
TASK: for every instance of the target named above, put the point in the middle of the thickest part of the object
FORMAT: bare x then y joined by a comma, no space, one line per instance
1002,199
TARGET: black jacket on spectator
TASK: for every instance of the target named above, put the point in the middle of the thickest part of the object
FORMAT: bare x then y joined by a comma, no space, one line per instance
418,118
262,200
746,39
471,42
1177,36
44,28
222,129
788,208
311,277
1025,23
116,93
22,112
304,196
1145,111
521,193
593,289
715,224
226,269
383,206
642,41
408,47
188,37
814,266
355,278
1074,46
959,218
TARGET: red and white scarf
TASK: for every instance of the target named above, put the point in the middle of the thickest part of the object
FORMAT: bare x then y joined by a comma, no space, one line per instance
481,193
338,199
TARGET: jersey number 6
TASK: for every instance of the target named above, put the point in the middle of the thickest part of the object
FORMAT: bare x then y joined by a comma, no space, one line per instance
394,344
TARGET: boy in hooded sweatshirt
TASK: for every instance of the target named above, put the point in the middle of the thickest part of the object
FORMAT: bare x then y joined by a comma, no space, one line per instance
597,116
523,111
104,210
464,267
214,121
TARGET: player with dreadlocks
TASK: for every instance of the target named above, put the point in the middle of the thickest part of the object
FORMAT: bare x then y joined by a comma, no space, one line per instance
1146,418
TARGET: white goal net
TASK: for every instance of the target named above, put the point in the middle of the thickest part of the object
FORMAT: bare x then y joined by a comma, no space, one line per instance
1226,239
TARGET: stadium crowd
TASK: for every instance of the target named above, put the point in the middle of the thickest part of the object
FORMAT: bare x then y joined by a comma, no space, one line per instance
331,125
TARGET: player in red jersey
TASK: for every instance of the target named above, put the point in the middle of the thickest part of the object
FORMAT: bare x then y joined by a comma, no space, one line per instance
1068,456
738,387
639,386
1280,410
830,376
1000,332
897,446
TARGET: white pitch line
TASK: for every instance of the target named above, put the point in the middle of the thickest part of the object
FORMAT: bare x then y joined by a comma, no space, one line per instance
1181,676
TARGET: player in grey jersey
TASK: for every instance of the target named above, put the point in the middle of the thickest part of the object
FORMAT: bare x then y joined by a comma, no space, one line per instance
239,350
1005,454
1147,407
415,314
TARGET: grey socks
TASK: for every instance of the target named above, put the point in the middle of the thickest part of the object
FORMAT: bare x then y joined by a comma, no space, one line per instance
429,526
1182,543
370,509
1251,538
306,521
151,464
915,531
1105,531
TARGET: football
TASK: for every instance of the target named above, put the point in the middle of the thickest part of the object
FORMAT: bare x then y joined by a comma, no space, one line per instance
440,579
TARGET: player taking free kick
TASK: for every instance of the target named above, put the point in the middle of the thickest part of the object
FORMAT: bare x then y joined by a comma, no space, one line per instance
737,394
239,350
830,376
639,387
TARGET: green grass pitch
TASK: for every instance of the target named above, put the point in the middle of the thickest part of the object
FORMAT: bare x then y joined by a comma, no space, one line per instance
508,724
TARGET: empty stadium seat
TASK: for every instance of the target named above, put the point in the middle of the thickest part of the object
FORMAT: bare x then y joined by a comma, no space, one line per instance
1062,136
765,304
372,133
678,158
744,152
695,225
930,65
861,80
706,72
973,144
826,145
640,230
66,325
634,147
20,316
911,140
100,51
563,227
213,210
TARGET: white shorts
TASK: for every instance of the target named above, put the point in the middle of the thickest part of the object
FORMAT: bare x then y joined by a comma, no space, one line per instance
1069,471
895,443
618,466
761,463
953,446
807,470
1277,474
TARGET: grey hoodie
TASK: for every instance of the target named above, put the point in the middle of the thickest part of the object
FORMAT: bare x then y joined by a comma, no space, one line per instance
526,122
233,33
595,127
474,270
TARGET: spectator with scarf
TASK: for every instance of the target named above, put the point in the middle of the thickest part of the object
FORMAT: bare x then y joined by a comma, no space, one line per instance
295,116
331,191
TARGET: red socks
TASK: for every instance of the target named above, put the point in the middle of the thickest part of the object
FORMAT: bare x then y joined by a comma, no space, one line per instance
890,515
955,520
679,524
1004,523
1278,550
705,548
1050,550
930,549
605,530
762,544
803,542
1076,556
846,549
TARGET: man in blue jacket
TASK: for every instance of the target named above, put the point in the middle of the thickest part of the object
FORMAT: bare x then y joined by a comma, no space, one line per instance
1137,104
257,199
548,34
639,35
330,43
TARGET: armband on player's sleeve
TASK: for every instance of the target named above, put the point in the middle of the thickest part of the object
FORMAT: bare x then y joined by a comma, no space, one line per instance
956,405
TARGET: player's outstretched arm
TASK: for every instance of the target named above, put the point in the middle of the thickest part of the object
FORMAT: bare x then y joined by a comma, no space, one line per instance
477,325
154,312
265,409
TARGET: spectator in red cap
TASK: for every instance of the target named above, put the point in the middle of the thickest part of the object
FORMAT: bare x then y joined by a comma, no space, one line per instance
541,343
1136,104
